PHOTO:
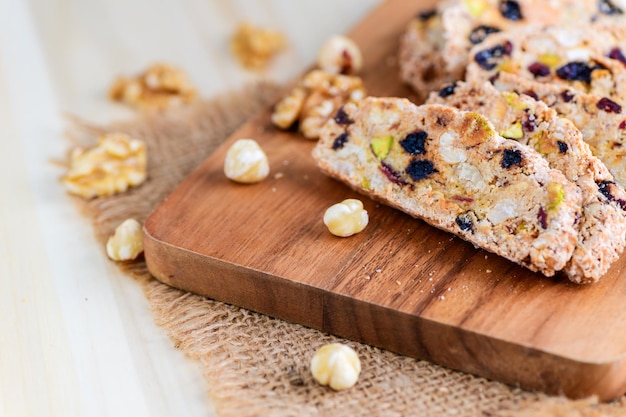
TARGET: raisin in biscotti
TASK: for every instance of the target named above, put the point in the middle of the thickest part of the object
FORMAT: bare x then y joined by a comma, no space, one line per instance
602,233
436,45
579,57
601,120
451,169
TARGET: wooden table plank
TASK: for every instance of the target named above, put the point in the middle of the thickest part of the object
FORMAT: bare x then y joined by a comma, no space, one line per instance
77,337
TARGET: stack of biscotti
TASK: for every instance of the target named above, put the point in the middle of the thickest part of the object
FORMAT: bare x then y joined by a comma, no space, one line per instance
580,73
452,169
436,45
602,226
550,75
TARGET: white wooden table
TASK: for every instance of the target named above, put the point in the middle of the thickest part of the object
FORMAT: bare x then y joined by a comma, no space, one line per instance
76,336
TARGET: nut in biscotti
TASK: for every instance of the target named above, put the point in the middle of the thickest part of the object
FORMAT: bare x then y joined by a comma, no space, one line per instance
451,169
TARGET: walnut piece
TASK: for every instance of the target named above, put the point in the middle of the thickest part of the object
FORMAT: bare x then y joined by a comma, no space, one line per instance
127,242
254,47
159,87
115,164
315,100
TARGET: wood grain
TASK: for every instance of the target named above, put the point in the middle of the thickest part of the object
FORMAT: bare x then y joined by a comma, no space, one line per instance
401,284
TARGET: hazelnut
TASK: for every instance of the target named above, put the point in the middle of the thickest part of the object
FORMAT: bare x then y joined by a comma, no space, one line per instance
340,55
246,162
336,365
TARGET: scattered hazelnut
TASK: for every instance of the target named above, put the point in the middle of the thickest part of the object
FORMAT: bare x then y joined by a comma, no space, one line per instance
246,162
346,218
336,365
127,242
340,55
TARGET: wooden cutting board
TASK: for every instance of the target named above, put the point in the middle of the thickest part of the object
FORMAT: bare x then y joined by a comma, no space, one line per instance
400,284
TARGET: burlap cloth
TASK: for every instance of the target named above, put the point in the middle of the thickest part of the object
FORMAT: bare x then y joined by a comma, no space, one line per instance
255,365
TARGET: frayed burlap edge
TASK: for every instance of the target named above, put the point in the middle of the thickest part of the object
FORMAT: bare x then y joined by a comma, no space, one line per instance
258,366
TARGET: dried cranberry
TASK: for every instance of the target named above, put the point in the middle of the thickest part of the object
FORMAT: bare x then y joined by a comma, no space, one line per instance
427,15
464,221
607,7
494,78
340,141
391,174
538,69
575,71
341,118
567,96
511,157
481,32
508,47
609,105
617,54
605,189
510,10
542,216
530,124
562,146
420,169
622,125
415,142
531,93
488,58
447,90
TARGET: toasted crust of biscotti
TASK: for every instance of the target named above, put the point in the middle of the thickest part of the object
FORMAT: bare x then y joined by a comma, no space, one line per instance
602,233
603,128
451,169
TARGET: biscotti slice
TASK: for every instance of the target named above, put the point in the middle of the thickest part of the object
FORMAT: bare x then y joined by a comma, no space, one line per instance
469,22
601,120
421,62
451,169
579,58
435,47
602,233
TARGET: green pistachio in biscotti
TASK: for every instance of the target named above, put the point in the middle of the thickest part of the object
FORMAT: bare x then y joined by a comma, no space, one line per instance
381,146
556,195
514,131
513,100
